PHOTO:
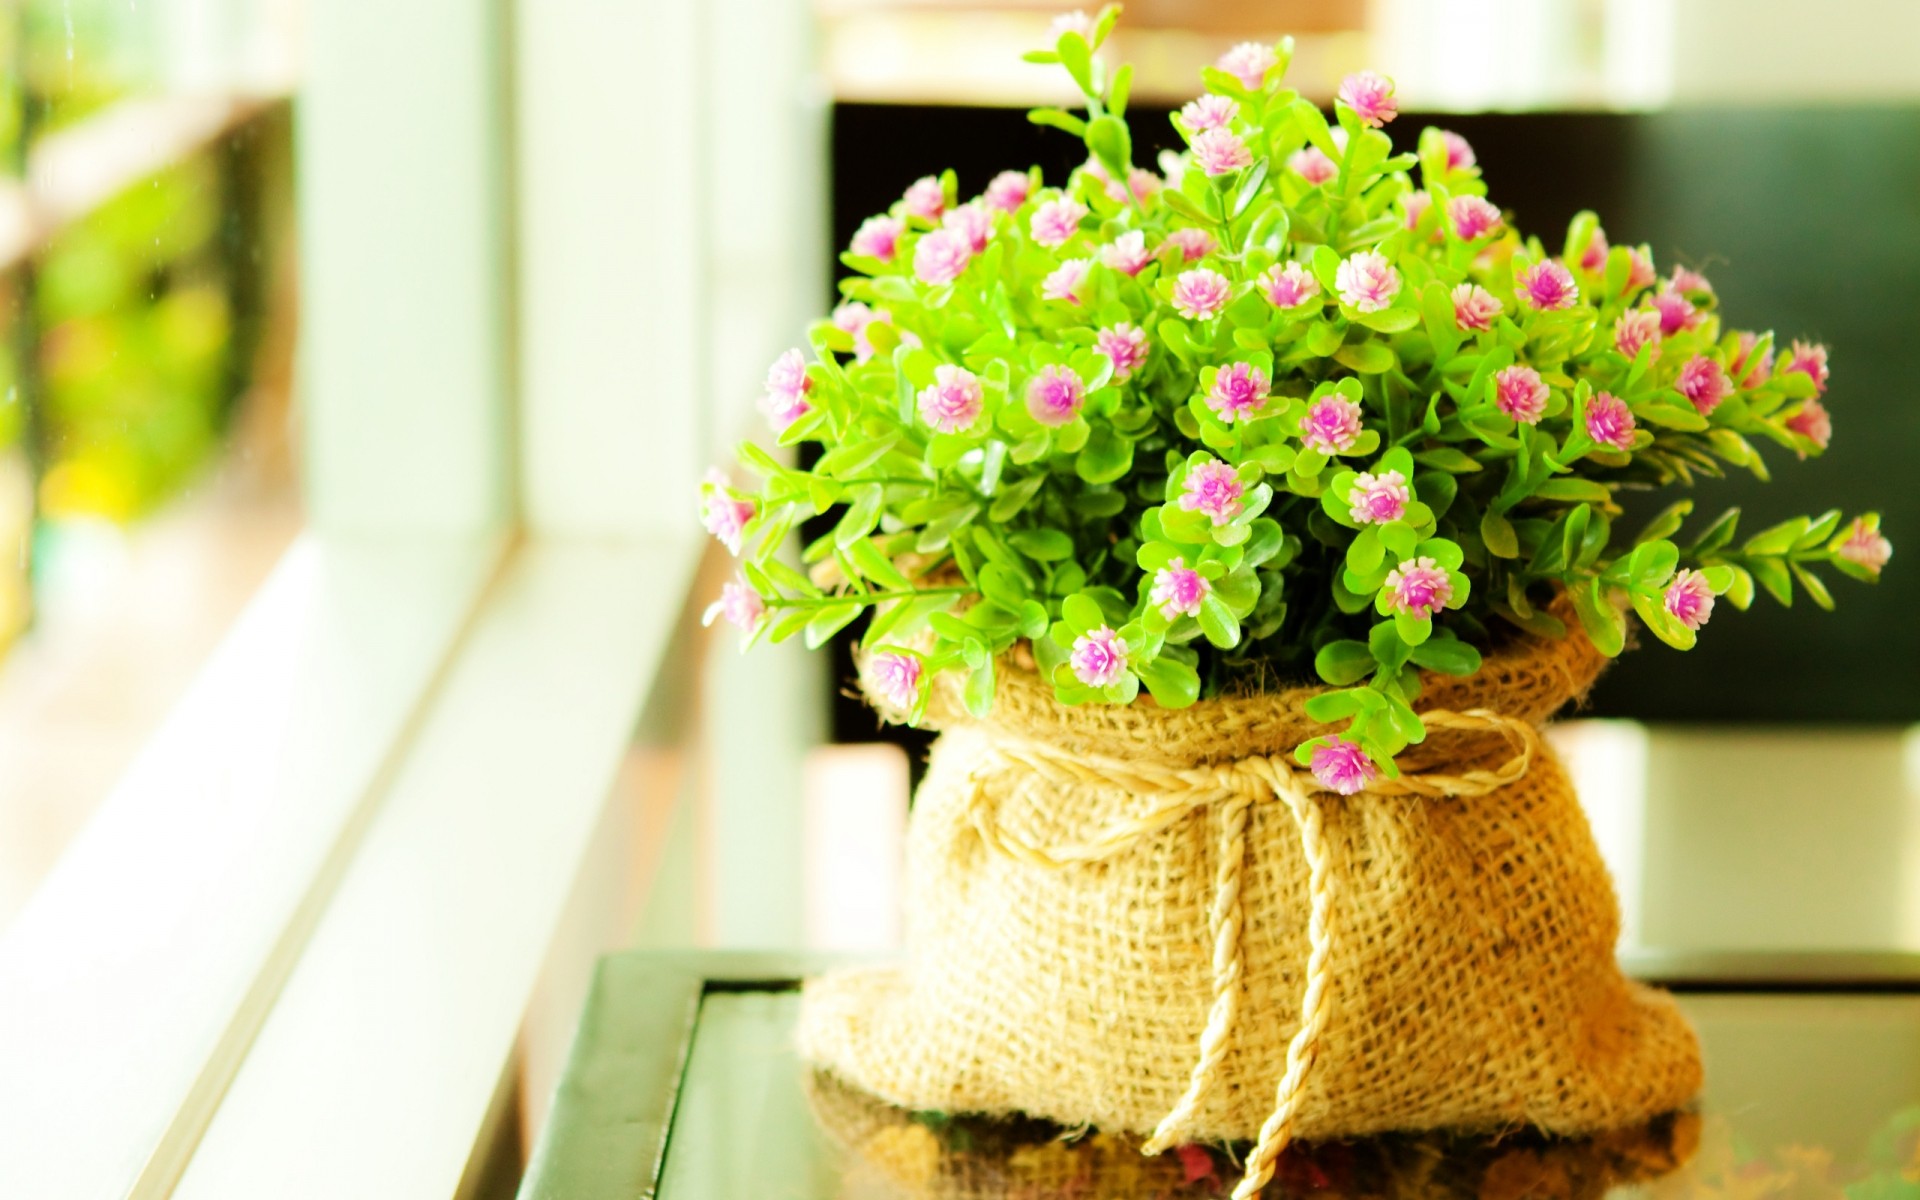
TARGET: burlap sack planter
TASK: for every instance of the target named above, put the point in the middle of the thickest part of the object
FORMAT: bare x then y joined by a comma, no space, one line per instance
1151,921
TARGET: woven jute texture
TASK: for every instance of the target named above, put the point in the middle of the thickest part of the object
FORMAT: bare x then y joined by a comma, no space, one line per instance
1146,921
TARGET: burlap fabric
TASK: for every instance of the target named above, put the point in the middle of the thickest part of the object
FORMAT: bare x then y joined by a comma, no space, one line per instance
1148,921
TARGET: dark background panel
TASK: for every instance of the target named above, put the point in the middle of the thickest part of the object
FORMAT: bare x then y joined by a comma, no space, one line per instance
1808,223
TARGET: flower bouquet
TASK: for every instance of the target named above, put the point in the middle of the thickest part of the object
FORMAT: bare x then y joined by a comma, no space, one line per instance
1298,436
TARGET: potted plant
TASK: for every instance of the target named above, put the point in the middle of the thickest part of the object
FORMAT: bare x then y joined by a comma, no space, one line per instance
1239,523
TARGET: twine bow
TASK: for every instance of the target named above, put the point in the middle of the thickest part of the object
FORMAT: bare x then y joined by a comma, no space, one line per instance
1235,787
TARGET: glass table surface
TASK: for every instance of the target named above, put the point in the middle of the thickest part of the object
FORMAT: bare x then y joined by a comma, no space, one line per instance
1811,1092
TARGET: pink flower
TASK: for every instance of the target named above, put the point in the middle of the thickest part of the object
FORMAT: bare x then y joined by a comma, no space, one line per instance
1238,391
1055,395
1676,311
1703,382
1127,253
724,514
1635,329
1220,152
1248,62
1342,766
896,677
1594,256
1144,183
739,604
1813,422
1067,281
1546,286
1215,489
1416,205
1865,546
972,222
1810,359
1474,307
1099,657
1459,153
1419,587
1076,21
1209,112
1751,371
1194,244
1200,293
1312,164
1125,346
940,257
953,400
1639,268
1472,217
1370,96
1007,191
1610,421
1055,222
1178,590
878,237
787,388
1331,426
925,199
1689,598
1520,393
854,317
1367,281
1684,281
1377,499
1288,285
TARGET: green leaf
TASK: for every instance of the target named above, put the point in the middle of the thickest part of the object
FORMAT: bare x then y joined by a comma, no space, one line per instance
828,621
1015,497
1120,90
1367,358
1218,623
1497,532
1110,142
861,516
1328,707
1106,457
1778,539
1667,523
979,690
1573,491
1449,656
876,567
1046,545
1171,683
1665,626
1058,118
1344,662
1771,574
1446,458
1412,630
1815,586
1390,320
1082,613
1599,618
1077,58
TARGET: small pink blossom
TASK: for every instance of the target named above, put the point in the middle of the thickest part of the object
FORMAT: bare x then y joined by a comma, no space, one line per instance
1547,286
1689,599
1378,499
1055,395
739,604
1076,21
1810,359
1519,392
1594,256
853,317
1685,281
1703,382
1239,390
1472,217
896,677
1418,587
1813,422
1144,183
1312,164
1676,311
1127,253
1221,152
1474,307
1209,112
1007,191
1331,426
940,257
1610,421
1055,222
1865,546
878,237
1067,281
1459,153
1178,590
1099,657
925,199
1249,62
1636,328
1200,293
1416,205
1193,243
1215,489
1639,268
1125,346
1370,96
1288,285
1367,281
787,388
1342,766
1749,370
724,514
953,401
971,221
